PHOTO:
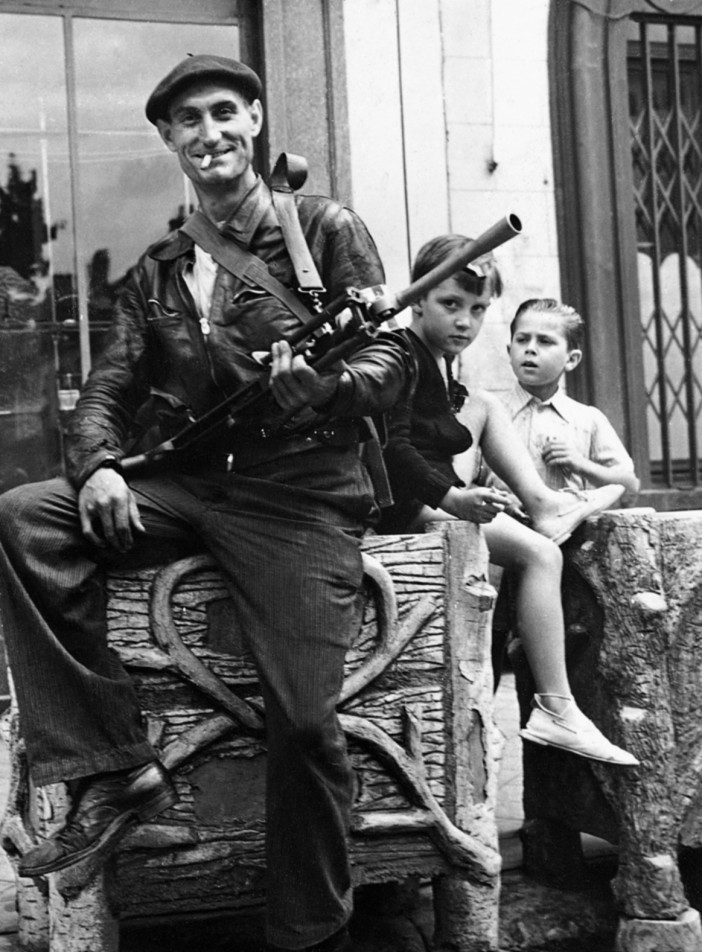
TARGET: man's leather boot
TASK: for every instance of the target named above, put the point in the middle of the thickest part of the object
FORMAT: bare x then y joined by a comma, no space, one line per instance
108,805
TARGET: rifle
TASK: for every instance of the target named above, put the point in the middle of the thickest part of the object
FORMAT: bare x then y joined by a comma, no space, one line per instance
324,340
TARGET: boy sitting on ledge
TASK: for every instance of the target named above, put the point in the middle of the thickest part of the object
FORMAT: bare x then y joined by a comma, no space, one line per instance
425,434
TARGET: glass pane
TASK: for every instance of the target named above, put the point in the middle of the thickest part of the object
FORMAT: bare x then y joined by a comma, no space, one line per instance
36,248
131,188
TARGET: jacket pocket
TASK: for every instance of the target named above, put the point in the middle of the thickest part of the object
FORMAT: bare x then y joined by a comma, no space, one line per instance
159,314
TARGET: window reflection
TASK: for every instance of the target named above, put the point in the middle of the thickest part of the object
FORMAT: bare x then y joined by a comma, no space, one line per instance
131,189
36,249
69,230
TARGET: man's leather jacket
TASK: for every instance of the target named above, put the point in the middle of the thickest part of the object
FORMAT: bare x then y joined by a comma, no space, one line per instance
163,362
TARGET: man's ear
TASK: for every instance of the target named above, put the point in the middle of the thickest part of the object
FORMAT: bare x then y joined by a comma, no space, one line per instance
574,358
417,309
256,113
164,130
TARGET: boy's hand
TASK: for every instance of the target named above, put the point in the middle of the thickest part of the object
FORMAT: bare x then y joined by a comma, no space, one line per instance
478,504
560,452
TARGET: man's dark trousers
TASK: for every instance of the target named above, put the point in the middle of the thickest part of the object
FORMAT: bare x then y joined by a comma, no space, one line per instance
291,559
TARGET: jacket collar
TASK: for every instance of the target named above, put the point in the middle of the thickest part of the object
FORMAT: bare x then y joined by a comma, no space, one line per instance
240,226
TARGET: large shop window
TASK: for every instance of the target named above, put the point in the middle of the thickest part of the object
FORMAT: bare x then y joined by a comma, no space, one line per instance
85,186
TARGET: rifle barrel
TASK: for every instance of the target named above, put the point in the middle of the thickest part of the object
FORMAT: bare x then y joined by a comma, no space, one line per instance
508,227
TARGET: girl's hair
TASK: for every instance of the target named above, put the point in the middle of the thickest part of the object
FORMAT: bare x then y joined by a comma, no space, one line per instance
436,251
573,324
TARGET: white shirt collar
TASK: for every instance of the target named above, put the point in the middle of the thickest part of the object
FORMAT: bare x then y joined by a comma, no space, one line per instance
559,401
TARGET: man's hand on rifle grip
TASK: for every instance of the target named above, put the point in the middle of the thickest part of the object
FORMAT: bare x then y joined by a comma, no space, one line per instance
108,511
295,384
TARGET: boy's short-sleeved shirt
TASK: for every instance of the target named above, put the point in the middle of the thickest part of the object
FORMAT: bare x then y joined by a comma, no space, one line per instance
540,421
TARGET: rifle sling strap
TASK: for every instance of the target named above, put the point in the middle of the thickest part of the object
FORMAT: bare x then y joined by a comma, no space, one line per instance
241,263
290,173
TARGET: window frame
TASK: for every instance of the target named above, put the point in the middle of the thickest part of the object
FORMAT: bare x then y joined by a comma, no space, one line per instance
595,213
162,11
304,100
169,11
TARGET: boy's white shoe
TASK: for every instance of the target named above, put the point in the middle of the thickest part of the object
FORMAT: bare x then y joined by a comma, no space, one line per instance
575,508
571,730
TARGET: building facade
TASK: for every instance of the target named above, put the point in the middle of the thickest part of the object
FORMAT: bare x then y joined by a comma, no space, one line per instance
583,117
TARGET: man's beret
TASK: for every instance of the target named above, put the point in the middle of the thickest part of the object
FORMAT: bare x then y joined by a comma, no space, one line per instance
193,69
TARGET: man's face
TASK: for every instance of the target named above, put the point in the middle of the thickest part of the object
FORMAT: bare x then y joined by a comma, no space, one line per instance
449,318
211,128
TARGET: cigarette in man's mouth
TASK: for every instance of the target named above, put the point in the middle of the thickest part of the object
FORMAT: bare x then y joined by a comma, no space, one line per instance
207,161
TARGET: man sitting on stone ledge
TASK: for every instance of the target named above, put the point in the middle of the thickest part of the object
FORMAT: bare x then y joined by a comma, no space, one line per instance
282,516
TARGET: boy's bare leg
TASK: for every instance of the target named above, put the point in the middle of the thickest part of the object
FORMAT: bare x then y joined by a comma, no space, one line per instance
539,564
506,453
540,614
553,514
556,719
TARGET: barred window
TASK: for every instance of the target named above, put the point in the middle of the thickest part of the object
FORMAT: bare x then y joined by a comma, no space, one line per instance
664,58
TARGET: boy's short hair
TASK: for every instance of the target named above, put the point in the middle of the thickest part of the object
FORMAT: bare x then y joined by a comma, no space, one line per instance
474,278
573,324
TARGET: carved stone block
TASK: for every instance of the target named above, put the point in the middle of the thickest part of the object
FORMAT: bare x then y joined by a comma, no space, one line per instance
633,603
416,706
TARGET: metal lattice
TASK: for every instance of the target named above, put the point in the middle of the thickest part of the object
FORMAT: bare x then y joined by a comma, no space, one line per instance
665,97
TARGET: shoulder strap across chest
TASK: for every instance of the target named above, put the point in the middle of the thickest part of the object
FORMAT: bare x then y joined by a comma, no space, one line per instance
241,263
289,173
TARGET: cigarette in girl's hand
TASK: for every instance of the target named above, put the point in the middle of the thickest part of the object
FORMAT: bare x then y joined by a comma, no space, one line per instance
206,162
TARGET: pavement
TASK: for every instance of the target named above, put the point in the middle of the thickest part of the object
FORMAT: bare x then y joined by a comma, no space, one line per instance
532,916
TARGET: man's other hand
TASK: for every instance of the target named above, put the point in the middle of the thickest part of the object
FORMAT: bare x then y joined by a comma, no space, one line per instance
108,511
295,384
